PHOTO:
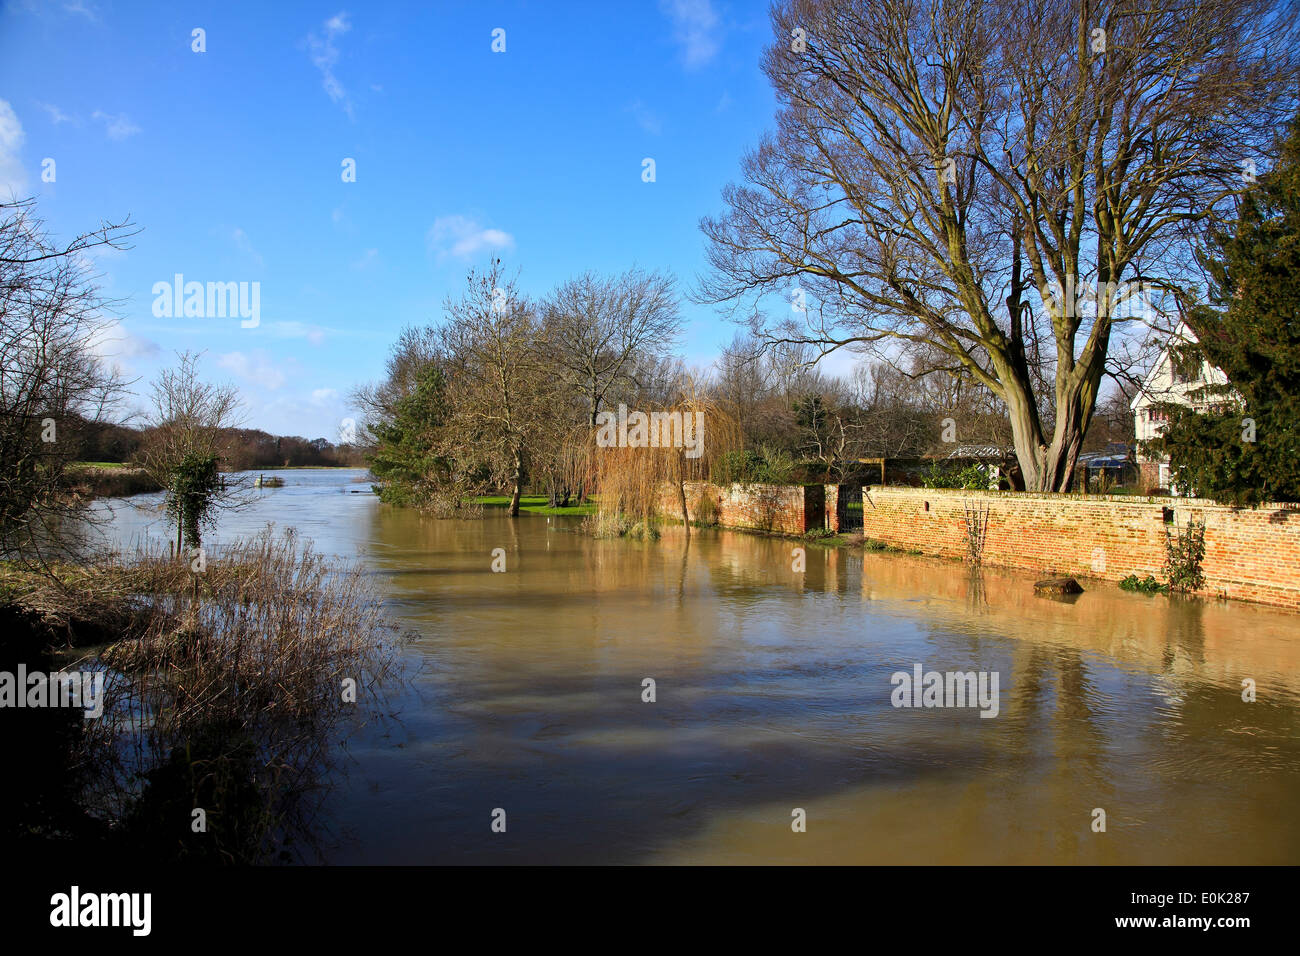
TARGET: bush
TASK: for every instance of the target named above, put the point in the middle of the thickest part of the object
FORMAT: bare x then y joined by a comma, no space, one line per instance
971,477
763,467
1147,585
610,525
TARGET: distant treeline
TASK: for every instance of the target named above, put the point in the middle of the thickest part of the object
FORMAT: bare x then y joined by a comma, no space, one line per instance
248,448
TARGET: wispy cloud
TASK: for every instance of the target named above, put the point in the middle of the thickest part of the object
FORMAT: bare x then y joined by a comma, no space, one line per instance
257,368
114,341
13,178
297,330
115,346
82,9
645,118
695,28
57,115
118,126
368,258
462,238
324,53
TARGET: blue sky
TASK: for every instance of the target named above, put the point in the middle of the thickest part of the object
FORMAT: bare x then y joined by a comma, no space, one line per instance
231,159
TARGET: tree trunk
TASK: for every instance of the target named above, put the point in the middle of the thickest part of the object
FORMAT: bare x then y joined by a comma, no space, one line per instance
1044,467
681,491
519,486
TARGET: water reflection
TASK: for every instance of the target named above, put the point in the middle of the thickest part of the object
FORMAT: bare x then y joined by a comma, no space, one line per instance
773,693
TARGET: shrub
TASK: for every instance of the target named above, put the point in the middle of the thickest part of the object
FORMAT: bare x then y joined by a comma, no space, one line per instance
611,525
1183,556
746,467
971,477
1147,585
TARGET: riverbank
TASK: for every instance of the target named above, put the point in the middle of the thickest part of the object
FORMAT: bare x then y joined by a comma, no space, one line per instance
247,664
109,480
537,505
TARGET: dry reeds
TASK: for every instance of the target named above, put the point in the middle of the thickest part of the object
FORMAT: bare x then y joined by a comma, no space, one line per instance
230,692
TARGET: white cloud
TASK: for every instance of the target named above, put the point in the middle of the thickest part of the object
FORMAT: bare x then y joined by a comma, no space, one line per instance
57,115
324,55
118,126
13,178
115,346
322,396
87,11
297,330
695,28
256,368
113,341
462,238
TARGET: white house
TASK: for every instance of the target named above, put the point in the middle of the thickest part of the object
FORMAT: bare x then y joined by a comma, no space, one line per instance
1173,380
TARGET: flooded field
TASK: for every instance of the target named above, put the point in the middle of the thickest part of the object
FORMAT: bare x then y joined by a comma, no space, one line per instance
772,695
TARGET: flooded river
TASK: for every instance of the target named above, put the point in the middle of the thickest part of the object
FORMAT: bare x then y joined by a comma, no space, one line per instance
772,695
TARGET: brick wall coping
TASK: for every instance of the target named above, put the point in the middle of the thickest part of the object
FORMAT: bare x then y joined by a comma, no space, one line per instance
1166,500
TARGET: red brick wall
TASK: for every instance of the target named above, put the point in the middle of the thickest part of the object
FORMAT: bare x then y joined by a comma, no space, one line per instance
832,507
788,509
1251,555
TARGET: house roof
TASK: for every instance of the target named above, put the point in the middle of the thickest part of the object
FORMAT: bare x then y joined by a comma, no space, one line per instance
1182,335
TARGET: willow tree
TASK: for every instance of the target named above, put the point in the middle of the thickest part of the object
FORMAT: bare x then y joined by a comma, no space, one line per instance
958,174
638,458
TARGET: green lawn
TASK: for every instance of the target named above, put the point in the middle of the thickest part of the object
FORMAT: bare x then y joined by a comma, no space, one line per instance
99,464
536,504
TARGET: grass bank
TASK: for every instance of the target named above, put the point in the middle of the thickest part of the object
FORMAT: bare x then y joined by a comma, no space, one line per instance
536,504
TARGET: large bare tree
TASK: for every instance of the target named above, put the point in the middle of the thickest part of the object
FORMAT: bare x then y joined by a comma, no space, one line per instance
502,389
958,173
53,383
598,327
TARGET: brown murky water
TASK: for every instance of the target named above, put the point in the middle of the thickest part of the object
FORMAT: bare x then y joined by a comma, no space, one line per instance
773,693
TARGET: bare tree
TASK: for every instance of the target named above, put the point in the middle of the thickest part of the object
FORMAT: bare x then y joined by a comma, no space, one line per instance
501,386
957,173
52,383
191,432
597,325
